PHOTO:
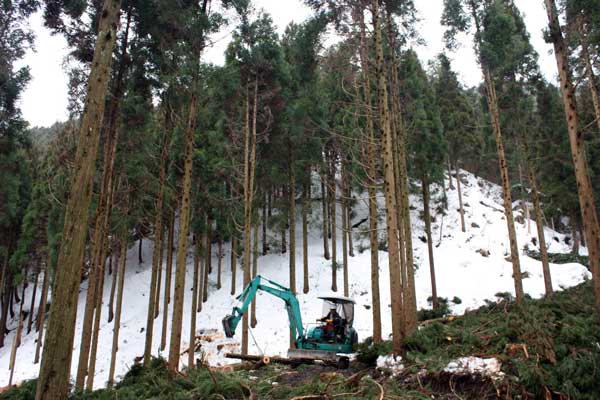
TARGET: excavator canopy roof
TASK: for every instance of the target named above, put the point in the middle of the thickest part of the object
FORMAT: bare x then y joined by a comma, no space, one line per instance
338,299
343,305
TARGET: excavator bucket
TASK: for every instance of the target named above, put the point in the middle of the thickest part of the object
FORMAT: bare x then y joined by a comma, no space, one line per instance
228,326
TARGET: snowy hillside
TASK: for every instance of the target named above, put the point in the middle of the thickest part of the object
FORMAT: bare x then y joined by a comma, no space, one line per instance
461,271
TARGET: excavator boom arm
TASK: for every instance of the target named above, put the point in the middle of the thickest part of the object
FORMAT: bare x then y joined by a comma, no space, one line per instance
231,321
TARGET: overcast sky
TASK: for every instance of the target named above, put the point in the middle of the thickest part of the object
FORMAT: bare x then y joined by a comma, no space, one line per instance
45,99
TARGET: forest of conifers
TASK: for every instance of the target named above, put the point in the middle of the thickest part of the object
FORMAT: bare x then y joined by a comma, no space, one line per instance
162,146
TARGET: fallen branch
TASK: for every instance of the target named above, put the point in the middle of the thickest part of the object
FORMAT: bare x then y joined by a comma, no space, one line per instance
251,394
381,390
275,377
349,394
443,320
352,380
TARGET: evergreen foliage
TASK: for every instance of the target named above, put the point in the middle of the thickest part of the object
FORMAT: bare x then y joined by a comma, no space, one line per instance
318,112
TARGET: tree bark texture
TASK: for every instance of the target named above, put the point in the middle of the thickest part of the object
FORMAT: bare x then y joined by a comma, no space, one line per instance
372,181
53,381
184,225
427,216
389,182
168,276
117,323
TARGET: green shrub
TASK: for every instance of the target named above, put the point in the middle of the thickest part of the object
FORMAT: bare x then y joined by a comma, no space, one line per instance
442,310
560,258
26,391
368,351
560,335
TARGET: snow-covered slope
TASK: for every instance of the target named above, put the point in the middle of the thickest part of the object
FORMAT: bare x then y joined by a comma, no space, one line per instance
461,271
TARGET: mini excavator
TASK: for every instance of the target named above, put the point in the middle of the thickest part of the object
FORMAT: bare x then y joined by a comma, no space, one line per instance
330,340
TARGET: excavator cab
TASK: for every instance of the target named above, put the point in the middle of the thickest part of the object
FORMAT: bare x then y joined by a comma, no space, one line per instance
335,324
342,307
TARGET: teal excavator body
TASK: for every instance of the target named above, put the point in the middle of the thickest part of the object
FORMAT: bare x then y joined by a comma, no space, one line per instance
335,335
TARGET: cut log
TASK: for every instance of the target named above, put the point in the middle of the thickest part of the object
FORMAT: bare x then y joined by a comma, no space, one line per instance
263,360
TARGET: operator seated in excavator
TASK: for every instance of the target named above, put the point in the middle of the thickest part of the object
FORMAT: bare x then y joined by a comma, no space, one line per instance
334,325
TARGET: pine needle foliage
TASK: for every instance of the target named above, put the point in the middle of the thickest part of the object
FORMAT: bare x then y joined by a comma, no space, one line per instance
549,344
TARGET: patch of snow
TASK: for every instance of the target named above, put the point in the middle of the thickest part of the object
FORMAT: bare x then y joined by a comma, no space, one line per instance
391,364
490,367
460,270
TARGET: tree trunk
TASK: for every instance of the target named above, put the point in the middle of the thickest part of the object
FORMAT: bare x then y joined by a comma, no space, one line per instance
325,221
6,294
372,181
461,208
15,345
574,236
333,220
283,237
140,259
249,166
347,198
589,71
154,295
209,245
233,263
117,326
113,289
265,246
450,184
349,223
184,224
292,219
201,274
344,233
207,257
492,101
389,183
168,276
510,222
159,274
4,300
524,205
219,261
53,381
408,300
581,234
91,370
32,306
12,296
254,273
103,213
540,230
42,314
305,208
195,283
270,201
427,216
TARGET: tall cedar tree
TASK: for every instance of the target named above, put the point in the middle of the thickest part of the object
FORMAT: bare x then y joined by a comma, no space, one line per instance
389,181
497,44
589,214
372,174
53,381
426,140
